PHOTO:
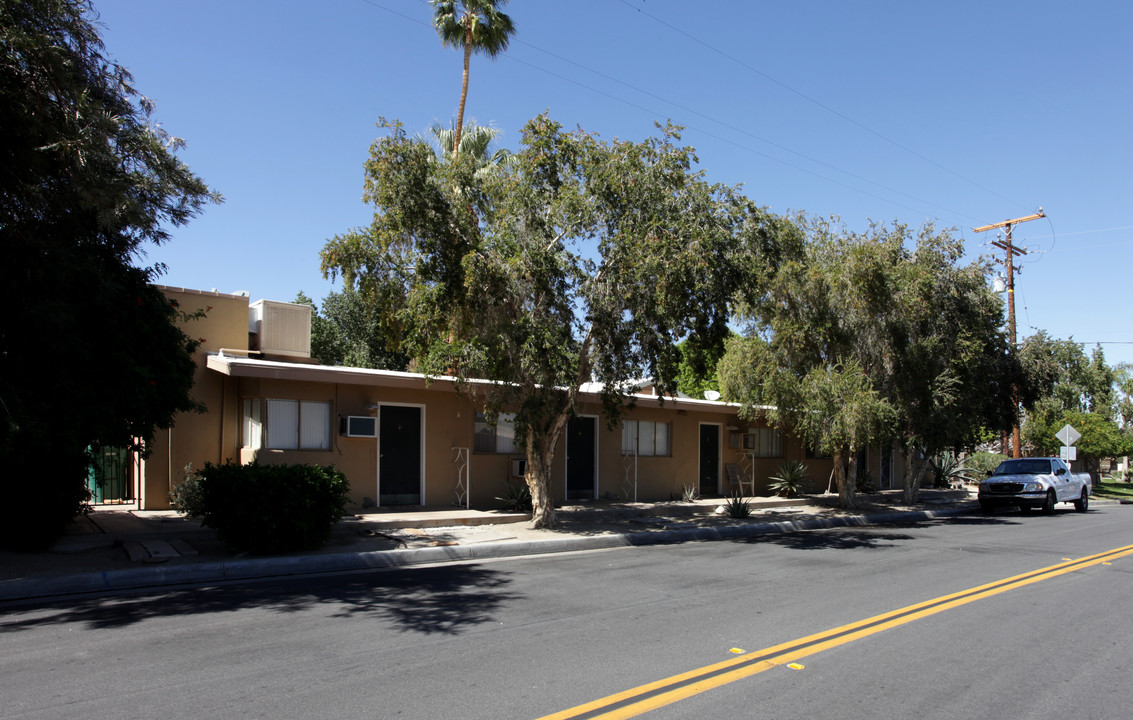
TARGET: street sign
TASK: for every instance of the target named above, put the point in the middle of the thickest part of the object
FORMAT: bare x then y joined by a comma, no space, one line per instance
1068,435
1068,453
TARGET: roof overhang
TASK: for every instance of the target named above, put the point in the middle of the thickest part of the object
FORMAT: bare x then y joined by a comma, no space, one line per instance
247,367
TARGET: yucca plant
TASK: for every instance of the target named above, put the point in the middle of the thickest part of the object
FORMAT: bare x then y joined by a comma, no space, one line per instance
691,494
791,480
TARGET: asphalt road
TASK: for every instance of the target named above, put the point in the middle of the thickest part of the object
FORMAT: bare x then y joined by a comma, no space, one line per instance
531,637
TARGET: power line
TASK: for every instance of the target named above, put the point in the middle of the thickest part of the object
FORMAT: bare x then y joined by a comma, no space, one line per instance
818,103
728,125
733,143
400,15
660,115
1085,232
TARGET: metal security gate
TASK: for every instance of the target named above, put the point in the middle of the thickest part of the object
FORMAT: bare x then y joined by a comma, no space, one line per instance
109,476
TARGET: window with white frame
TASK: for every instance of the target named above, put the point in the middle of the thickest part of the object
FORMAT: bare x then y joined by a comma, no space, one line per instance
645,437
497,437
279,424
764,443
253,427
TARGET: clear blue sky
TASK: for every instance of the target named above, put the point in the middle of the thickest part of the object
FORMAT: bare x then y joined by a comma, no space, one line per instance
965,113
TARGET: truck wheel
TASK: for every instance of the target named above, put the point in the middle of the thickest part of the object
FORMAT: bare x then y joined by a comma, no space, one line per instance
1048,504
1082,504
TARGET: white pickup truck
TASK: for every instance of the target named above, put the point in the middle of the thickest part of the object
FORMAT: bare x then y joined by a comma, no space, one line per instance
1035,483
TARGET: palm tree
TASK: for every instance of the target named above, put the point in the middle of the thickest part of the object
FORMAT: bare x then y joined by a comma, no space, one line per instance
475,25
476,142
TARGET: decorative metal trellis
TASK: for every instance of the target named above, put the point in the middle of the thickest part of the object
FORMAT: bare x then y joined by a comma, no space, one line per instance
629,481
462,491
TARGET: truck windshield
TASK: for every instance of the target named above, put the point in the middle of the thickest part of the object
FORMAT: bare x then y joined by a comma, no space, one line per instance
1023,467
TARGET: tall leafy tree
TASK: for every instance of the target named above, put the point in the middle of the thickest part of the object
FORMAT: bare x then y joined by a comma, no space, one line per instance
1058,373
478,26
348,331
1101,436
583,260
805,357
1065,385
948,372
697,371
89,354
874,337
1123,385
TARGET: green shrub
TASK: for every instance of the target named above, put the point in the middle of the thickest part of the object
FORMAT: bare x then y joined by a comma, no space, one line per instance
791,481
982,463
186,497
271,508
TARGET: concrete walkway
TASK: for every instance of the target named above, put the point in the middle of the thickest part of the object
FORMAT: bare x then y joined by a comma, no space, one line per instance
117,548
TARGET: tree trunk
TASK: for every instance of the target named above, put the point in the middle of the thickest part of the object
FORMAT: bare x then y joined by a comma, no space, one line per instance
463,89
915,465
538,478
540,450
845,477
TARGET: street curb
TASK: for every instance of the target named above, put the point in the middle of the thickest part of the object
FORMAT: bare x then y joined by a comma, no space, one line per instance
259,568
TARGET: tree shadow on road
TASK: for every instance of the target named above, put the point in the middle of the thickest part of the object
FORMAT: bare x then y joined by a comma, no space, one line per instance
868,537
446,600
832,539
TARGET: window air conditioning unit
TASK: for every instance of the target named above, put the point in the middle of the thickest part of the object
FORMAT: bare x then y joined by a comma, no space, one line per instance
358,426
518,467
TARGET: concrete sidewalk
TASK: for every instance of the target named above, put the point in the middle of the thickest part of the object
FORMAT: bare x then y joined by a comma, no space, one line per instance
117,548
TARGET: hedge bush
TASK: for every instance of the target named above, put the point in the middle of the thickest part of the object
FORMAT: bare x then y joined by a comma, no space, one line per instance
270,508
982,463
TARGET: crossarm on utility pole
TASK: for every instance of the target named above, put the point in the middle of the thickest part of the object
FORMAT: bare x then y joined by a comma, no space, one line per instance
1005,223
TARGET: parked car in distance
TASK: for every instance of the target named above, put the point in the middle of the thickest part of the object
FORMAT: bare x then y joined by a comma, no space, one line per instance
1028,483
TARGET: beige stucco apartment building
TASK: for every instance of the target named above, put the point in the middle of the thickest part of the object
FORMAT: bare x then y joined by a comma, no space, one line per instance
406,440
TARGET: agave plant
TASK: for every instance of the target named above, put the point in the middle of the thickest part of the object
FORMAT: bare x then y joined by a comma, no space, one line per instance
517,497
948,469
737,507
791,480
865,482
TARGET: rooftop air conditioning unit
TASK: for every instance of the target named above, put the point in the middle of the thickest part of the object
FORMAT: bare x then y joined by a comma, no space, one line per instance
280,328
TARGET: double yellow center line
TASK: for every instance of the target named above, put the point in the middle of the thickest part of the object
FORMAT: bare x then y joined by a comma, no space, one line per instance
651,696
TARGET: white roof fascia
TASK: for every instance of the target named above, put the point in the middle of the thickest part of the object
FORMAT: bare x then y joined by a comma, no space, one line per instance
239,366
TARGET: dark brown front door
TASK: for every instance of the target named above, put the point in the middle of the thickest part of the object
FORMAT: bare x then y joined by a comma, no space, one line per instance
709,459
580,458
399,455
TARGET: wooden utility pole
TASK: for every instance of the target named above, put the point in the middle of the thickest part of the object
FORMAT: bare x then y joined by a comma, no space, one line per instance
1009,262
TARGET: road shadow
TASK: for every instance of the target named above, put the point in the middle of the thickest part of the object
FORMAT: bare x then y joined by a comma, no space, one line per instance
440,600
832,539
869,537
